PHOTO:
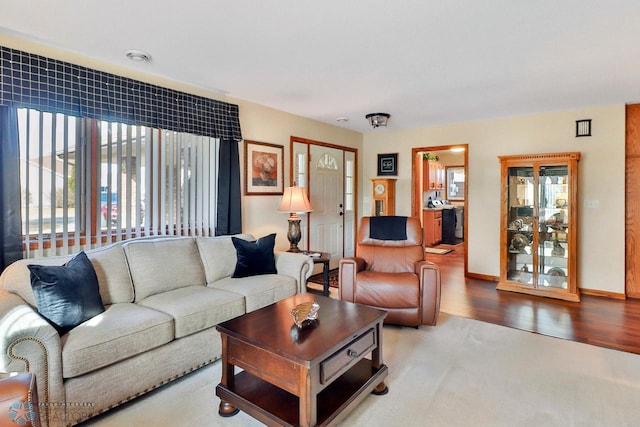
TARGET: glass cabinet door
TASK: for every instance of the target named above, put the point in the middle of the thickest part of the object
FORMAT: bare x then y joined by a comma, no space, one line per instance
521,223
553,225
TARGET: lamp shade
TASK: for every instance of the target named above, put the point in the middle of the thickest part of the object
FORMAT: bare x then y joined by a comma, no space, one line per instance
295,199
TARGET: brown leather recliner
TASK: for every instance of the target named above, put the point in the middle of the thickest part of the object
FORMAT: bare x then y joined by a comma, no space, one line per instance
389,271
19,400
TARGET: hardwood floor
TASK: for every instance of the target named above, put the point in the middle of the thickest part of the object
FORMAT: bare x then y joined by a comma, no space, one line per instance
595,320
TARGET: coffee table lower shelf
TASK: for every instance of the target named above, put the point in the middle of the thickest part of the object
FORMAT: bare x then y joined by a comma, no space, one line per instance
274,406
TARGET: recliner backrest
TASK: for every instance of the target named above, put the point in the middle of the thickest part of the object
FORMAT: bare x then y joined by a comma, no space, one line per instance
391,244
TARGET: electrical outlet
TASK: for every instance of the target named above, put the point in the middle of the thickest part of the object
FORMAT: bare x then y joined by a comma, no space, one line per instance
592,204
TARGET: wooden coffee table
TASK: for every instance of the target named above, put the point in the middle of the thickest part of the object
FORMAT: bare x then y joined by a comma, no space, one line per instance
301,377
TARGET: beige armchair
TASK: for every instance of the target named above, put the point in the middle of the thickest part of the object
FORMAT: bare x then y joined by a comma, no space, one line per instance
389,271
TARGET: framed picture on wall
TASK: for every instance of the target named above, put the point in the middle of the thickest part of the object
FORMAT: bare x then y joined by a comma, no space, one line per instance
264,168
388,164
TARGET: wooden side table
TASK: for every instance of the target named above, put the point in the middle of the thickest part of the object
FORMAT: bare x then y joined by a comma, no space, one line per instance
324,259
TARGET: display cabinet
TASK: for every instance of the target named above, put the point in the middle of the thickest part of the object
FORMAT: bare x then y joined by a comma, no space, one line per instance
539,224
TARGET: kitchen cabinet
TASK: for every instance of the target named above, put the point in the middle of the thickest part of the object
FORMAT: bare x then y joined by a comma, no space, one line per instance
432,226
539,225
433,174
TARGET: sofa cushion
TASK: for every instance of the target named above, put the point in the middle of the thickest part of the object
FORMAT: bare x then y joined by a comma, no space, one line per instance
255,258
218,256
16,278
259,291
109,263
121,331
196,308
161,265
68,294
113,273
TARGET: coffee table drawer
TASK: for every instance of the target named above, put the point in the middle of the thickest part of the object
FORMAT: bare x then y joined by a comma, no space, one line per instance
348,356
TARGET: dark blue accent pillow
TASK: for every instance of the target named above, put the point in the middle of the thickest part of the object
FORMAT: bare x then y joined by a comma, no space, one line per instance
67,295
255,258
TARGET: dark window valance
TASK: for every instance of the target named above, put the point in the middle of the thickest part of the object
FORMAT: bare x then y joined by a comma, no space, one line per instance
34,81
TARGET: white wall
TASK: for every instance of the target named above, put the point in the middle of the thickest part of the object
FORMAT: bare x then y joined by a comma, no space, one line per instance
259,123
601,245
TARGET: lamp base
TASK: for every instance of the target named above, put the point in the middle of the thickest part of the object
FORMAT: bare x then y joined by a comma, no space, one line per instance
294,235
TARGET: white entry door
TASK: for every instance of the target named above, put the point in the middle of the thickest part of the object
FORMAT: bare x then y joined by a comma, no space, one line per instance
326,193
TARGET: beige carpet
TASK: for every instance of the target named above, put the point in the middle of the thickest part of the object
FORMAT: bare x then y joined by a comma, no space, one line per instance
461,373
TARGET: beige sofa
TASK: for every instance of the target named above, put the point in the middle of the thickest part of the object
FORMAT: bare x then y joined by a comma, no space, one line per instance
162,297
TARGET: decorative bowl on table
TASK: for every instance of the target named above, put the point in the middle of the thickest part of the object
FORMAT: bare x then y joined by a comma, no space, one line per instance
304,313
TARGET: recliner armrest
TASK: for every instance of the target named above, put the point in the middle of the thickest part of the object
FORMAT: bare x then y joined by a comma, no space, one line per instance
18,394
349,268
429,274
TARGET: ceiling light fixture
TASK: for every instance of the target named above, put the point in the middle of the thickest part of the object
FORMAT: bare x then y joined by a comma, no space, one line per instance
456,149
377,119
342,119
138,55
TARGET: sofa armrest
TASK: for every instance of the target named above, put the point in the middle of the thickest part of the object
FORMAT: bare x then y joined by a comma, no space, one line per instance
28,343
429,274
348,270
296,265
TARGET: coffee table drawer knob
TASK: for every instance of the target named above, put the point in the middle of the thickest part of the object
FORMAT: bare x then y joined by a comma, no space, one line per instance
342,360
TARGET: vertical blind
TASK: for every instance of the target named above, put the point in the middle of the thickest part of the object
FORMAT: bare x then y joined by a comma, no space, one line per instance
86,183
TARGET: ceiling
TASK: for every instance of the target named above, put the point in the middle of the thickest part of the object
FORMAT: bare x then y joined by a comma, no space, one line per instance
426,62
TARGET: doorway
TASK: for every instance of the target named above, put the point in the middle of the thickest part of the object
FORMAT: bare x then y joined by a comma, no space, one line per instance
439,180
329,172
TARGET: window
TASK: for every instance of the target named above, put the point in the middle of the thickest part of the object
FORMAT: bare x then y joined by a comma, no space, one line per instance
349,185
300,170
455,182
327,161
86,182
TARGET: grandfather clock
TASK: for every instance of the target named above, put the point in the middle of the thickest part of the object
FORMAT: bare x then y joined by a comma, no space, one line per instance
384,196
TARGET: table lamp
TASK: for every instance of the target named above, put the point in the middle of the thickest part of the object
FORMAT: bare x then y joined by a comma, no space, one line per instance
294,200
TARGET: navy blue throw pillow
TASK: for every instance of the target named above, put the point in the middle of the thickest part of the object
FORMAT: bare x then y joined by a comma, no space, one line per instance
67,295
255,258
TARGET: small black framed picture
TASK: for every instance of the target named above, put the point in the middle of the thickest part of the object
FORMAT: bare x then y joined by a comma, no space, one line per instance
388,164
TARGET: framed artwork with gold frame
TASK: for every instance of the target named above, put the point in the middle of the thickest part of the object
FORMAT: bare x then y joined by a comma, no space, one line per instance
264,169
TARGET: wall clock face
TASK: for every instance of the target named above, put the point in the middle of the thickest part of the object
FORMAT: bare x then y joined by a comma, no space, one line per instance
379,189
